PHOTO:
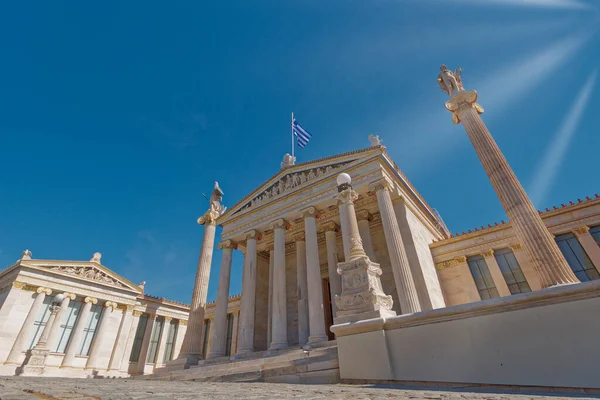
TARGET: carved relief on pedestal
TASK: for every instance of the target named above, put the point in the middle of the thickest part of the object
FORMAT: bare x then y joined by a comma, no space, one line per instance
289,182
88,272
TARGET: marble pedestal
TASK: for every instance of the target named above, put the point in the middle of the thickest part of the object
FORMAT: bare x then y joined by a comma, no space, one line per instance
362,295
35,362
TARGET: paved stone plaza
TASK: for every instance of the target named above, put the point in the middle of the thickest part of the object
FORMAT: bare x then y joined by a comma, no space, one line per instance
18,388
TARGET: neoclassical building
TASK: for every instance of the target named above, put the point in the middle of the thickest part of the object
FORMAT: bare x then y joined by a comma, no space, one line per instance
104,326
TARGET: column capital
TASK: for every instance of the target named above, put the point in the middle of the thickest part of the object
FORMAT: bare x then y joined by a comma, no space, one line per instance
253,234
461,259
487,253
581,230
364,215
92,300
347,196
129,307
210,218
279,224
70,295
451,263
168,319
111,304
46,290
311,212
380,184
183,322
299,237
137,313
227,244
462,101
515,246
330,226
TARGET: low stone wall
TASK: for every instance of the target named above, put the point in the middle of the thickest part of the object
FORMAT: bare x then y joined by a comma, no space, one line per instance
545,338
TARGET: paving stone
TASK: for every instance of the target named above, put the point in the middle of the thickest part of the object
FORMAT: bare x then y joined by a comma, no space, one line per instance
21,388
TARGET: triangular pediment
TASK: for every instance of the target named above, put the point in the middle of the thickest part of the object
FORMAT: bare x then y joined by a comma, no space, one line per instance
298,177
86,271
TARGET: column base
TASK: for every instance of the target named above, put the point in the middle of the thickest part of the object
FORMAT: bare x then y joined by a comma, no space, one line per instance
183,362
211,356
314,340
278,346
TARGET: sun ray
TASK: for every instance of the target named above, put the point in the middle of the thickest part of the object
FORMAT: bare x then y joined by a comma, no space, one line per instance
555,155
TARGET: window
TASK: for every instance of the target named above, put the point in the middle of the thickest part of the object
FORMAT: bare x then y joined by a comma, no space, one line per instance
155,340
483,279
595,232
139,337
170,343
67,322
511,270
229,334
206,333
40,322
577,258
89,329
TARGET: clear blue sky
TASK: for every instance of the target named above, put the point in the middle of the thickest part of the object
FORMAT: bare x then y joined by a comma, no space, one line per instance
116,117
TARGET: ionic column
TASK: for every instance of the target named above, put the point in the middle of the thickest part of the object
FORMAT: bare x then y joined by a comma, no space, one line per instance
533,278
191,348
92,362
120,347
279,308
528,226
56,327
302,291
76,336
218,333
25,332
270,306
316,313
364,218
589,244
146,344
248,301
234,334
335,284
496,273
160,352
405,285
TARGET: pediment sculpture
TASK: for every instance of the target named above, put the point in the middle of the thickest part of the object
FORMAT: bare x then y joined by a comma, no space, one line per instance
91,273
289,182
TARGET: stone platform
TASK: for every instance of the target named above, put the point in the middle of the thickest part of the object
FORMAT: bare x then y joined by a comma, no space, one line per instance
318,365
21,388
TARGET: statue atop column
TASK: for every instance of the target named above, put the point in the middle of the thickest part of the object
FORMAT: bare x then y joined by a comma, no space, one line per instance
450,81
216,209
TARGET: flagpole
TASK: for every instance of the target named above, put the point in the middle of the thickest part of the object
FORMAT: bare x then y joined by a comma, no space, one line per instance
293,134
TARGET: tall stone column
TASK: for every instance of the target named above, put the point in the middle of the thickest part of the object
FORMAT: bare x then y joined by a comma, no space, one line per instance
525,220
56,327
316,313
364,219
120,348
405,284
146,344
248,301
496,273
191,348
279,307
92,362
270,306
25,332
160,352
75,340
362,295
589,244
335,284
303,331
218,333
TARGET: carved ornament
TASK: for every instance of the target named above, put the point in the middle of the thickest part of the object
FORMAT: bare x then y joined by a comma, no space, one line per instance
89,272
299,237
137,313
209,218
347,196
381,184
289,182
168,319
364,215
111,304
581,230
253,234
516,247
450,263
39,290
92,300
71,296
279,224
227,244
183,322
462,102
310,212
487,253
330,226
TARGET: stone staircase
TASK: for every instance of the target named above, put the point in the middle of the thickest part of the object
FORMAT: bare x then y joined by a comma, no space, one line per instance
319,365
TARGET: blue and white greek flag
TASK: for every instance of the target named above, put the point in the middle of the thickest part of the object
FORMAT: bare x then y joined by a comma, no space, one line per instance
302,134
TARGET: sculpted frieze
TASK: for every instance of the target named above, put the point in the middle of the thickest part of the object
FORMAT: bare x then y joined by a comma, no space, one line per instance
90,273
289,182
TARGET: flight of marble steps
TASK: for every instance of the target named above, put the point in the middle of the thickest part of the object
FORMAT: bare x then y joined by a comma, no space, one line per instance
319,365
